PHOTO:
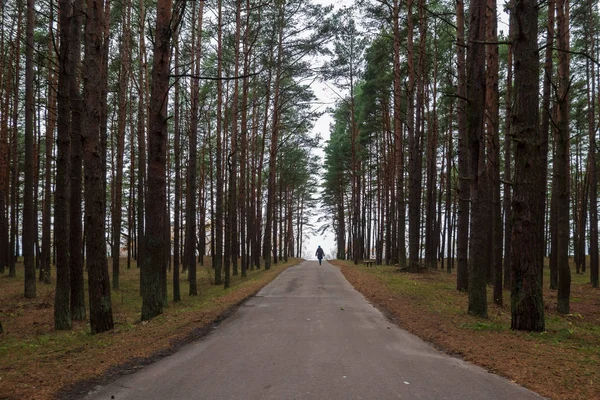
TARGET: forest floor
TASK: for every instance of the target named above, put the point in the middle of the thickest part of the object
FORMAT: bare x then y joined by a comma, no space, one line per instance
563,362
37,362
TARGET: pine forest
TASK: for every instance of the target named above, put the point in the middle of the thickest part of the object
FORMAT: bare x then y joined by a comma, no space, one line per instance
155,151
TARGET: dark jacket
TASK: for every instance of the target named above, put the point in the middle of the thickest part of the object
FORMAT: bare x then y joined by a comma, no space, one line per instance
320,253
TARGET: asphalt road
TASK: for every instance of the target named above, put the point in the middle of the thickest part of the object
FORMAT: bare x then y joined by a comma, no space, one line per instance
310,335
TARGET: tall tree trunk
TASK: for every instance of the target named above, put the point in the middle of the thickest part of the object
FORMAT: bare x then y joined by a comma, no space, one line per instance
233,197
122,107
448,212
592,165
431,233
413,144
154,240
218,218
244,224
545,126
78,311
475,123
527,307
177,153
561,159
14,184
190,204
493,120
28,210
104,105
141,133
507,160
98,280
270,211
62,311
46,256
462,234
5,88
131,200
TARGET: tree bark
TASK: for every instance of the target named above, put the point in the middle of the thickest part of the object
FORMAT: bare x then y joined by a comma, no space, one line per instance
561,159
218,219
177,154
28,209
190,204
592,165
141,133
475,124
233,196
78,310
527,307
13,246
507,162
46,256
399,140
98,280
493,140
270,211
122,107
5,89
546,110
414,184
154,240
62,311
462,234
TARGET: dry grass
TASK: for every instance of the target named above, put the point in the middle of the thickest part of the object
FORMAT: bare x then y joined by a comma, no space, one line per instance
561,363
36,362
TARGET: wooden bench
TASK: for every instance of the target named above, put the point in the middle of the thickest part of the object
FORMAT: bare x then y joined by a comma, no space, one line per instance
369,263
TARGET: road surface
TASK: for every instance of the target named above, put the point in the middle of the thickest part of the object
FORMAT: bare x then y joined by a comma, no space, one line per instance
310,335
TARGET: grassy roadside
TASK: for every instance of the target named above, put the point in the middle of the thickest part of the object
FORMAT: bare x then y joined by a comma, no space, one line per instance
561,363
36,362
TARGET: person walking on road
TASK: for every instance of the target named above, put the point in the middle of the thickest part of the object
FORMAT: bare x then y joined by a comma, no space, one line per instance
320,253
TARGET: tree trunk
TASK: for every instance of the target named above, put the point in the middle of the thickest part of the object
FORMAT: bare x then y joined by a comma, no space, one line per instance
448,212
561,159
475,124
46,256
593,180
28,209
398,139
122,107
462,234
78,311
177,154
98,280
141,132
62,312
414,184
507,162
15,155
190,204
274,142
233,198
527,307
154,240
218,218
5,86
431,233
493,140
244,225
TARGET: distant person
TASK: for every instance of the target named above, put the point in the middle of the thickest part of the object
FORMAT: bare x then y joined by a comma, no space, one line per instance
320,253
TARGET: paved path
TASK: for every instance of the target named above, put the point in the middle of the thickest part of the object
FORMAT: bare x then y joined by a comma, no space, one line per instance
310,335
